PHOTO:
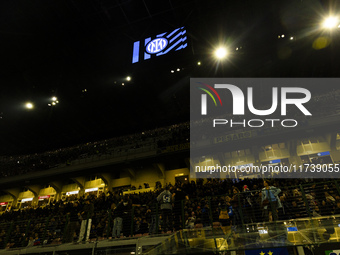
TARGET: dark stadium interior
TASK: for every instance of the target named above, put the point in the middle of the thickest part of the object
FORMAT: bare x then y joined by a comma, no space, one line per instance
61,48
108,141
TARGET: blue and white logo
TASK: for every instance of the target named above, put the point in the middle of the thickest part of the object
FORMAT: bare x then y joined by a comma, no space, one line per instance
156,45
159,45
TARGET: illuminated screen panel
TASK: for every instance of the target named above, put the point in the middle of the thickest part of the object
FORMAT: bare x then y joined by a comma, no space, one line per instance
159,45
292,229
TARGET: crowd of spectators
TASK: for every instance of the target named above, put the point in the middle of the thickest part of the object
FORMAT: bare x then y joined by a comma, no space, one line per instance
324,103
114,147
194,204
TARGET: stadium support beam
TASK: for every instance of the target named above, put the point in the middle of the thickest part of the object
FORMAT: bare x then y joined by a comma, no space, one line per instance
221,158
57,186
255,150
300,250
106,177
292,148
188,163
132,173
35,189
80,181
332,142
14,192
190,166
161,170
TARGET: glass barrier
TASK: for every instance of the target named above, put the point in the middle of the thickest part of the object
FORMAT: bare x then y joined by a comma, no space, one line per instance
292,233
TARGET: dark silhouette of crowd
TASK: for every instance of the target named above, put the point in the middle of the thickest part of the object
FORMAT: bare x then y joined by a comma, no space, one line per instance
114,147
324,104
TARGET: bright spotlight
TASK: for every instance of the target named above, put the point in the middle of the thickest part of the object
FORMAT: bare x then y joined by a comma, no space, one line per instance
221,53
29,105
172,71
53,103
178,69
282,36
199,63
330,22
128,78
54,99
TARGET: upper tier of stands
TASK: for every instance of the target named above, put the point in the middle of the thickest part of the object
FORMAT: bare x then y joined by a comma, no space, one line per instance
323,104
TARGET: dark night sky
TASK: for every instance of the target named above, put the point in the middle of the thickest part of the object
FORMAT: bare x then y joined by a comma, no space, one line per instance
59,48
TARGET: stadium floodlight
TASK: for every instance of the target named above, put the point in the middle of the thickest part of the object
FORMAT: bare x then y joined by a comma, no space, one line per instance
128,78
221,53
330,22
29,105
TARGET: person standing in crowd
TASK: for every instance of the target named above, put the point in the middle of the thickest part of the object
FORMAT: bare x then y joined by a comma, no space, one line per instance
165,198
118,212
126,216
235,203
248,213
224,217
178,197
73,219
86,217
270,201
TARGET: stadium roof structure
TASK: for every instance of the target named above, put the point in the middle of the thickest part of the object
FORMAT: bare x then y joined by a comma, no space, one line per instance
80,52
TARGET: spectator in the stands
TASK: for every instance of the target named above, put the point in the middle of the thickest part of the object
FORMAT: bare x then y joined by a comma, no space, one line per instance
126,216
179,197
270,201
72,212
235,203
337,208
86,220
190,222
118,212
165,198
